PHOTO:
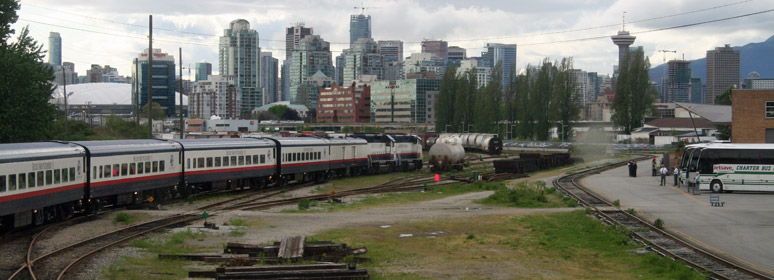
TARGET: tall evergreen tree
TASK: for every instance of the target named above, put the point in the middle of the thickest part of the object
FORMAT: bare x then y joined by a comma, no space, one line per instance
460,102
634,96
565,105
542,101
526,120
488,103
444,104
25,90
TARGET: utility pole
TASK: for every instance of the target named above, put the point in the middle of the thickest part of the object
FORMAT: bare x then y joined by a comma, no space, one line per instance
137,89
181,93
150,76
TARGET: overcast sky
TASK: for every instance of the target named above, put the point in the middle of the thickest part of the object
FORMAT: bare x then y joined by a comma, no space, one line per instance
113,32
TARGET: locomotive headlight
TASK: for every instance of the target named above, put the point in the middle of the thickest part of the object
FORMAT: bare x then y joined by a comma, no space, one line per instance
35,211
135,193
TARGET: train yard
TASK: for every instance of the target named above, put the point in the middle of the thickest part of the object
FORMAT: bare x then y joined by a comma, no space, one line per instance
67,261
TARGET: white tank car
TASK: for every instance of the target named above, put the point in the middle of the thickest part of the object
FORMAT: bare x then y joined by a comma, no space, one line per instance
483,142
447,154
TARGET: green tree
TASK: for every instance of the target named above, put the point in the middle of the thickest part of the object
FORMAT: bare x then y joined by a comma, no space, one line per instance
278,110
77,130
158,112
487,105
526,121
541,101
565,106
724,131
725,97
25,89
444,104
633,94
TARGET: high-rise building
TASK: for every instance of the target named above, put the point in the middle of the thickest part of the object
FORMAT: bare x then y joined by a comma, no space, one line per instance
505,55
439,48
595,86
403,101
214,96
312,55
722,71
582,86
163,74
285,80
66,74
54,49
359,27
202,70
363,59
293,35
391,50
95,73
423,62
269,78
456,55
678,82
239,56
483,74
341,63
697,91
344,104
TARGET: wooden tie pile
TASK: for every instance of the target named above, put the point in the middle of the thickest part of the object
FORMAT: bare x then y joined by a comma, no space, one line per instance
281,261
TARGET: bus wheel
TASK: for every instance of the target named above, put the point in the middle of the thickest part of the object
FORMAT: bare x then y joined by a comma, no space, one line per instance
716,186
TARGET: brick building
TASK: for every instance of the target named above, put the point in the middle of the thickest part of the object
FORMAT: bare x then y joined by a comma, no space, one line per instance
752,118
344,104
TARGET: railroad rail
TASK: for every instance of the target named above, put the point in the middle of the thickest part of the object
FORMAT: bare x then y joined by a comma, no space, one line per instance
661,241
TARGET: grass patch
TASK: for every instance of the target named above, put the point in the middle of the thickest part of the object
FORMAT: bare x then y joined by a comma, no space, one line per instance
568,245
126,218
237,222
150,266
528,195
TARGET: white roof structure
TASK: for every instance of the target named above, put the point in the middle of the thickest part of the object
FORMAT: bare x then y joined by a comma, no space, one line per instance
100,94
716,114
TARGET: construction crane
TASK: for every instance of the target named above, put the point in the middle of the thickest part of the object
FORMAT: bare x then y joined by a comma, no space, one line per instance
362,8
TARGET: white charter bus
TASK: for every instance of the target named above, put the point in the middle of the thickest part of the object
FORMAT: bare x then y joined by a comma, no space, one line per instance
688,150
731,167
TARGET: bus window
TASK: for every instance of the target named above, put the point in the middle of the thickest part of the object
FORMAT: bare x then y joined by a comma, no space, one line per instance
2,183
31,180
707,158
767,156
749,157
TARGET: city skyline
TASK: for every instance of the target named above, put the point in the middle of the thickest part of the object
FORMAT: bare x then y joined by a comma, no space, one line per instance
85,27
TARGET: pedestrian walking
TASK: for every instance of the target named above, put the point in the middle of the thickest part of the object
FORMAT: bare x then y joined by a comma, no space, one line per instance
675,173
664,172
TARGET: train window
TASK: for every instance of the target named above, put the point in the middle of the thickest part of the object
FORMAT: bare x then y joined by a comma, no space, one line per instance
217,161
2,183
225,161
49,177
209,162
293,157
57,176
100,171
93,173
147,167
233,161
124,169
115,170
319,155
72,173
255,159
155,166
132,168
161,166
199,162
12,182
65,178
40,179
263,159
241,160
31,180
188,163
140,169
22,181
106,171
248,160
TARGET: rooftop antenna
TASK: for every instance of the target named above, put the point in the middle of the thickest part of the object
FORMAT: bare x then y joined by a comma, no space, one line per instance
362,8
623,21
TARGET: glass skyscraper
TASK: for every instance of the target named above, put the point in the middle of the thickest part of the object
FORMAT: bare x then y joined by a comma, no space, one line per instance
240,56
203,69
359,27
312,55
54,49
164,85
503,53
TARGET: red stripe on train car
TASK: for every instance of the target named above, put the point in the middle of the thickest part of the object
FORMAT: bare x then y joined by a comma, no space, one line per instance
41,192
135,179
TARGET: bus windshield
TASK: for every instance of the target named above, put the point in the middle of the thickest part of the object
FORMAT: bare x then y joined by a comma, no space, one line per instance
686,158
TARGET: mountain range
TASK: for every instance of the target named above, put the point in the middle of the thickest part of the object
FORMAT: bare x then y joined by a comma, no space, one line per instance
758,57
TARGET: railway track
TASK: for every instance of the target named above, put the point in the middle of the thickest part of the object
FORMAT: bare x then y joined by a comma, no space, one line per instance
657,239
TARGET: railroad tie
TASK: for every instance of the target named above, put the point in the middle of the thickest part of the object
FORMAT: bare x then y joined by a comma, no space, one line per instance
292,247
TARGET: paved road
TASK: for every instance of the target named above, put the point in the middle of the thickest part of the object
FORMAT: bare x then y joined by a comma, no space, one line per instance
743,228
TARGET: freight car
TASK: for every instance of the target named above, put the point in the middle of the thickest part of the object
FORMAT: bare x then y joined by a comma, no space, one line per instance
483,142
531,162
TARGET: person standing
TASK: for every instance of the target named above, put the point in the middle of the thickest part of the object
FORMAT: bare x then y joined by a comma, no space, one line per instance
630,166
663,171
634,168
655,167
675,173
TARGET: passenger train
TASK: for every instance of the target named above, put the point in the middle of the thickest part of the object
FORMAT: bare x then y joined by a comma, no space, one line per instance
41,182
